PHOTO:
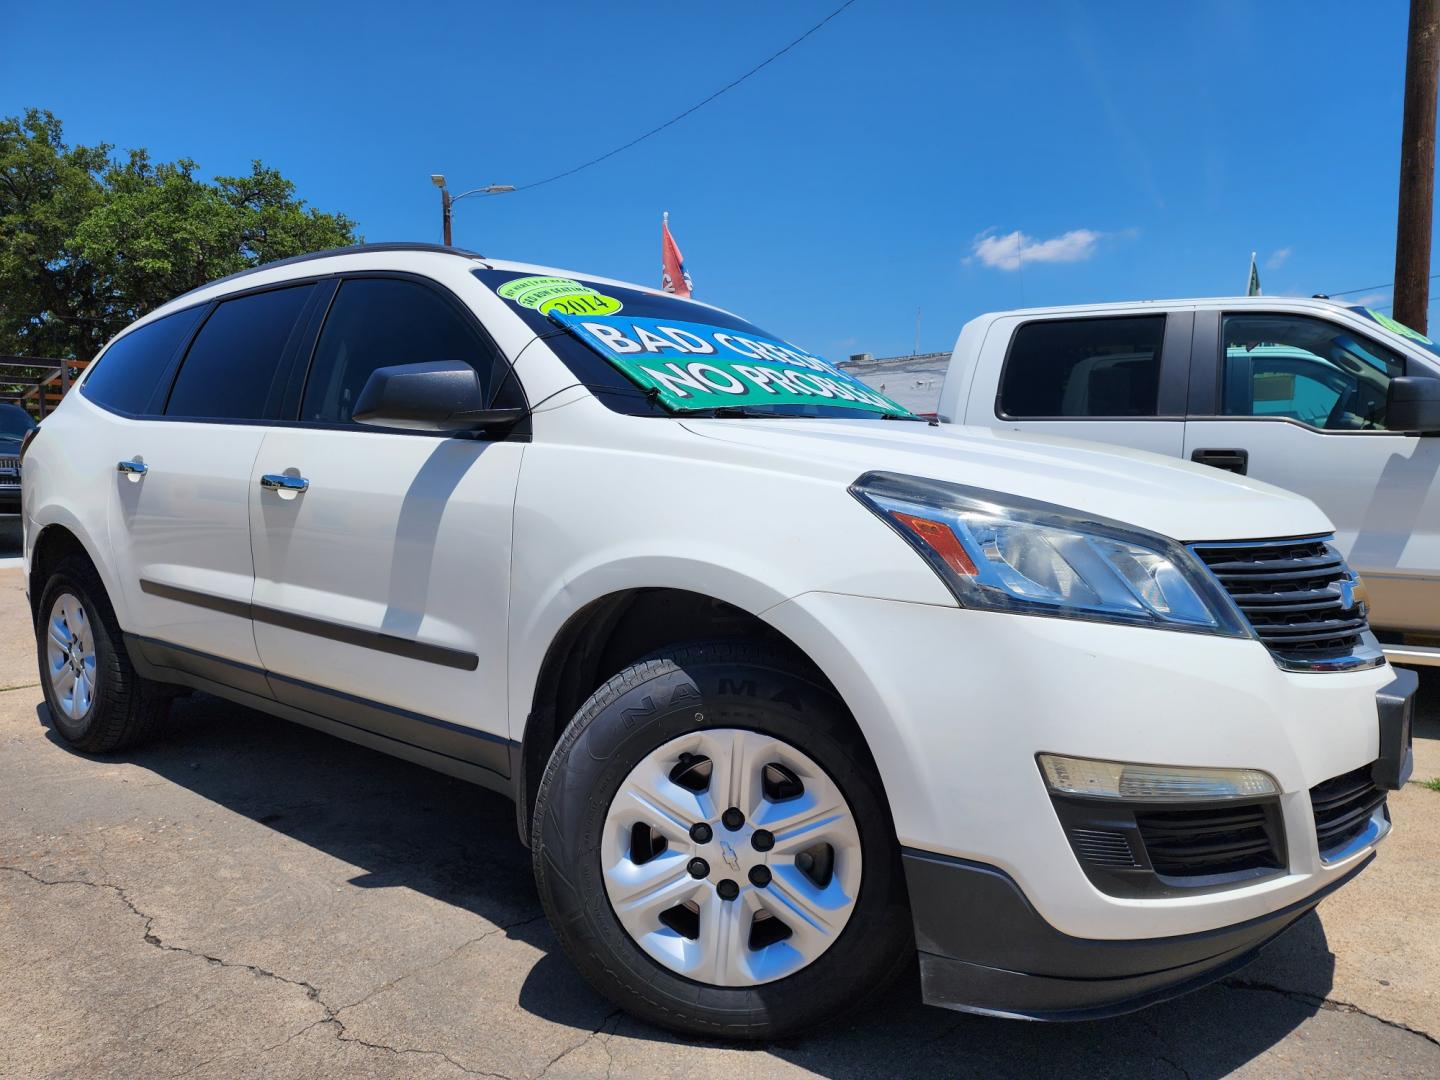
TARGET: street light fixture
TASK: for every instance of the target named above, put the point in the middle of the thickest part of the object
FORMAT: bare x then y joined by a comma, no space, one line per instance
447,200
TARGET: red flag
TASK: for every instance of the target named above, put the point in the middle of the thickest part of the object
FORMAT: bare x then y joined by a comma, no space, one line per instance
673,277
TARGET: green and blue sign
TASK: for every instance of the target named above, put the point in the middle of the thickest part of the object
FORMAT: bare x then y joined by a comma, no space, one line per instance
690,365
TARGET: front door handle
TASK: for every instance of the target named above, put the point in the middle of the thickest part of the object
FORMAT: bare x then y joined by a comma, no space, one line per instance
132,468
289,484
1232,459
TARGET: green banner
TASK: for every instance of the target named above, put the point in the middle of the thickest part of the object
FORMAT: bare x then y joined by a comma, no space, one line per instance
692,366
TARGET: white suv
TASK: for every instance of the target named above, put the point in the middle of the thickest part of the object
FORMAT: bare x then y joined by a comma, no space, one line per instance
780,677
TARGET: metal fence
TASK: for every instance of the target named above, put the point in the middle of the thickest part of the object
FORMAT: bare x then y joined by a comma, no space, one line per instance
36,383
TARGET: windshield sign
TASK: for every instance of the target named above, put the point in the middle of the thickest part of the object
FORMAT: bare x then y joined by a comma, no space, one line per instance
1395,326
690,365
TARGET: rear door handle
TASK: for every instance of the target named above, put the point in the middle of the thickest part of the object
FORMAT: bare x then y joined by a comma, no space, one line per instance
1231,460
277,482
132,468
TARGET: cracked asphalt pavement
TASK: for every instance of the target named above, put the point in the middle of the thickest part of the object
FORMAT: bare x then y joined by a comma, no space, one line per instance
248,898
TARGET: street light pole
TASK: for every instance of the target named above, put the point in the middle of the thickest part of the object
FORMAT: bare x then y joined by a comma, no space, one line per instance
448,201
1417,166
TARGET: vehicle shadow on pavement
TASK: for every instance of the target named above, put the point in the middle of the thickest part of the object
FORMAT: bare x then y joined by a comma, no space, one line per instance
405,826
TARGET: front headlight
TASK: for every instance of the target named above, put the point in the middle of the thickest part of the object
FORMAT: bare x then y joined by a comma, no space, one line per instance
1012,554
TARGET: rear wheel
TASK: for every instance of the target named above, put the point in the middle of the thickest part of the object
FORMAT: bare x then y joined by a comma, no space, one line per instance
97,701
713,848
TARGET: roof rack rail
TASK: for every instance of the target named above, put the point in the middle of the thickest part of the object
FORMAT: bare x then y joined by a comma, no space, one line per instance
354,249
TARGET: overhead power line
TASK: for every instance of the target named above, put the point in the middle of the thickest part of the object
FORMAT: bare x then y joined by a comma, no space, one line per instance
698,105
1371,288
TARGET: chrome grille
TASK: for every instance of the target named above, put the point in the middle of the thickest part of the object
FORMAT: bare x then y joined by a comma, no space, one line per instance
1298,595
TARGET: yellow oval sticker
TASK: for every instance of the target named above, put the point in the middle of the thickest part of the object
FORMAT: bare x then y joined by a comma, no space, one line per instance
565,295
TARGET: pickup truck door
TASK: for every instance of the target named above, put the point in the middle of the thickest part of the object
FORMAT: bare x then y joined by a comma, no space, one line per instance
1118,379
382,557
1298,401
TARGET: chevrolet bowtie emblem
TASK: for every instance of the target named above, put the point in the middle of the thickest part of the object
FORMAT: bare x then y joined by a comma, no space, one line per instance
731,859
1352,593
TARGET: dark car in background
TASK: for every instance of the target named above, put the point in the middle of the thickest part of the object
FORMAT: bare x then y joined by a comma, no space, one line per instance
15,424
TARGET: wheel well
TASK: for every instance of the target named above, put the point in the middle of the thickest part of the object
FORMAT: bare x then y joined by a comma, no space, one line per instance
54,544
607,636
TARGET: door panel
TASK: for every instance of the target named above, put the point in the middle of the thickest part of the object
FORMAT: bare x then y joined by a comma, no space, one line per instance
1381,491
182,486
1116,379
387,579
1304,398
183,527
1157,436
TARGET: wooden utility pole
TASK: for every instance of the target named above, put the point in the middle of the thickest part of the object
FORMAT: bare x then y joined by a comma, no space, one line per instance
1417,166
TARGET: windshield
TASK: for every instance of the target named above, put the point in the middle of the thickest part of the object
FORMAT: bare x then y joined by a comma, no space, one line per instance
651,354
14,422
1395,326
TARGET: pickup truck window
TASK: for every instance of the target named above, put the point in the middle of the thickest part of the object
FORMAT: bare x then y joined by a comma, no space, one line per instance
1083,368
1305,369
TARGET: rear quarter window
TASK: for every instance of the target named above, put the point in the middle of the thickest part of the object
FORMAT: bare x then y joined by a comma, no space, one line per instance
232,369
128,373
1083,368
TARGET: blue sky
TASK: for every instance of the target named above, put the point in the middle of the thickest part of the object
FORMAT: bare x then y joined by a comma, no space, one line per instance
886,164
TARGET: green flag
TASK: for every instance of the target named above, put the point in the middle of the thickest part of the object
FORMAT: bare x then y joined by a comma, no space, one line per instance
1253,287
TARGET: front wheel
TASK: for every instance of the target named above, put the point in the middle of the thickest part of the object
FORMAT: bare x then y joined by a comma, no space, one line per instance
714,850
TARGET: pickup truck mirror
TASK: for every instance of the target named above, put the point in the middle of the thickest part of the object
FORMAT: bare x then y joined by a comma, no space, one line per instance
1412,404
444,395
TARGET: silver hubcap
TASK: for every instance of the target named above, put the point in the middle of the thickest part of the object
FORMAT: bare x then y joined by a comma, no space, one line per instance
731,858
70,651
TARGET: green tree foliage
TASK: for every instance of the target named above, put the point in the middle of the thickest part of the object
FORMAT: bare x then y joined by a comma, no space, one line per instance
91,240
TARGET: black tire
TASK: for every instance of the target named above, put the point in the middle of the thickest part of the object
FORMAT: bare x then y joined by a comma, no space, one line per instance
125,708
734,685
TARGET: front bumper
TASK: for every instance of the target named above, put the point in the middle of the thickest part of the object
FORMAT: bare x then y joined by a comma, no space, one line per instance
956,704
984,949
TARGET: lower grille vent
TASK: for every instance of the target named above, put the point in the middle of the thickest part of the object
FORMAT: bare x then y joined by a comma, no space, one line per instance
1104,847
1215,839
1343,808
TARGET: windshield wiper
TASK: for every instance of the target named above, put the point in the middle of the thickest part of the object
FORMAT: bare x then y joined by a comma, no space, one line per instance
911,416
752,412
748,412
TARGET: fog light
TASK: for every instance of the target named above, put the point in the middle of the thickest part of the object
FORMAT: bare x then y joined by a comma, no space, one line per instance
1153,783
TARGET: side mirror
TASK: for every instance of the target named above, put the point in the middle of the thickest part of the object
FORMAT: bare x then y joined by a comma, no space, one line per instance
441,396
1412,404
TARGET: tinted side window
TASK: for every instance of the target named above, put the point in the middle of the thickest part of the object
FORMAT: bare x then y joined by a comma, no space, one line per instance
1310,370
231,368
127,374
1084,368
381,322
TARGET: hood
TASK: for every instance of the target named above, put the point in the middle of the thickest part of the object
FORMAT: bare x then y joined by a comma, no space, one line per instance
1178,499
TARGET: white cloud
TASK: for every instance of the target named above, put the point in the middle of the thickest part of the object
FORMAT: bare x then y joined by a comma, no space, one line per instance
1010,251
1369,300
1276,259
